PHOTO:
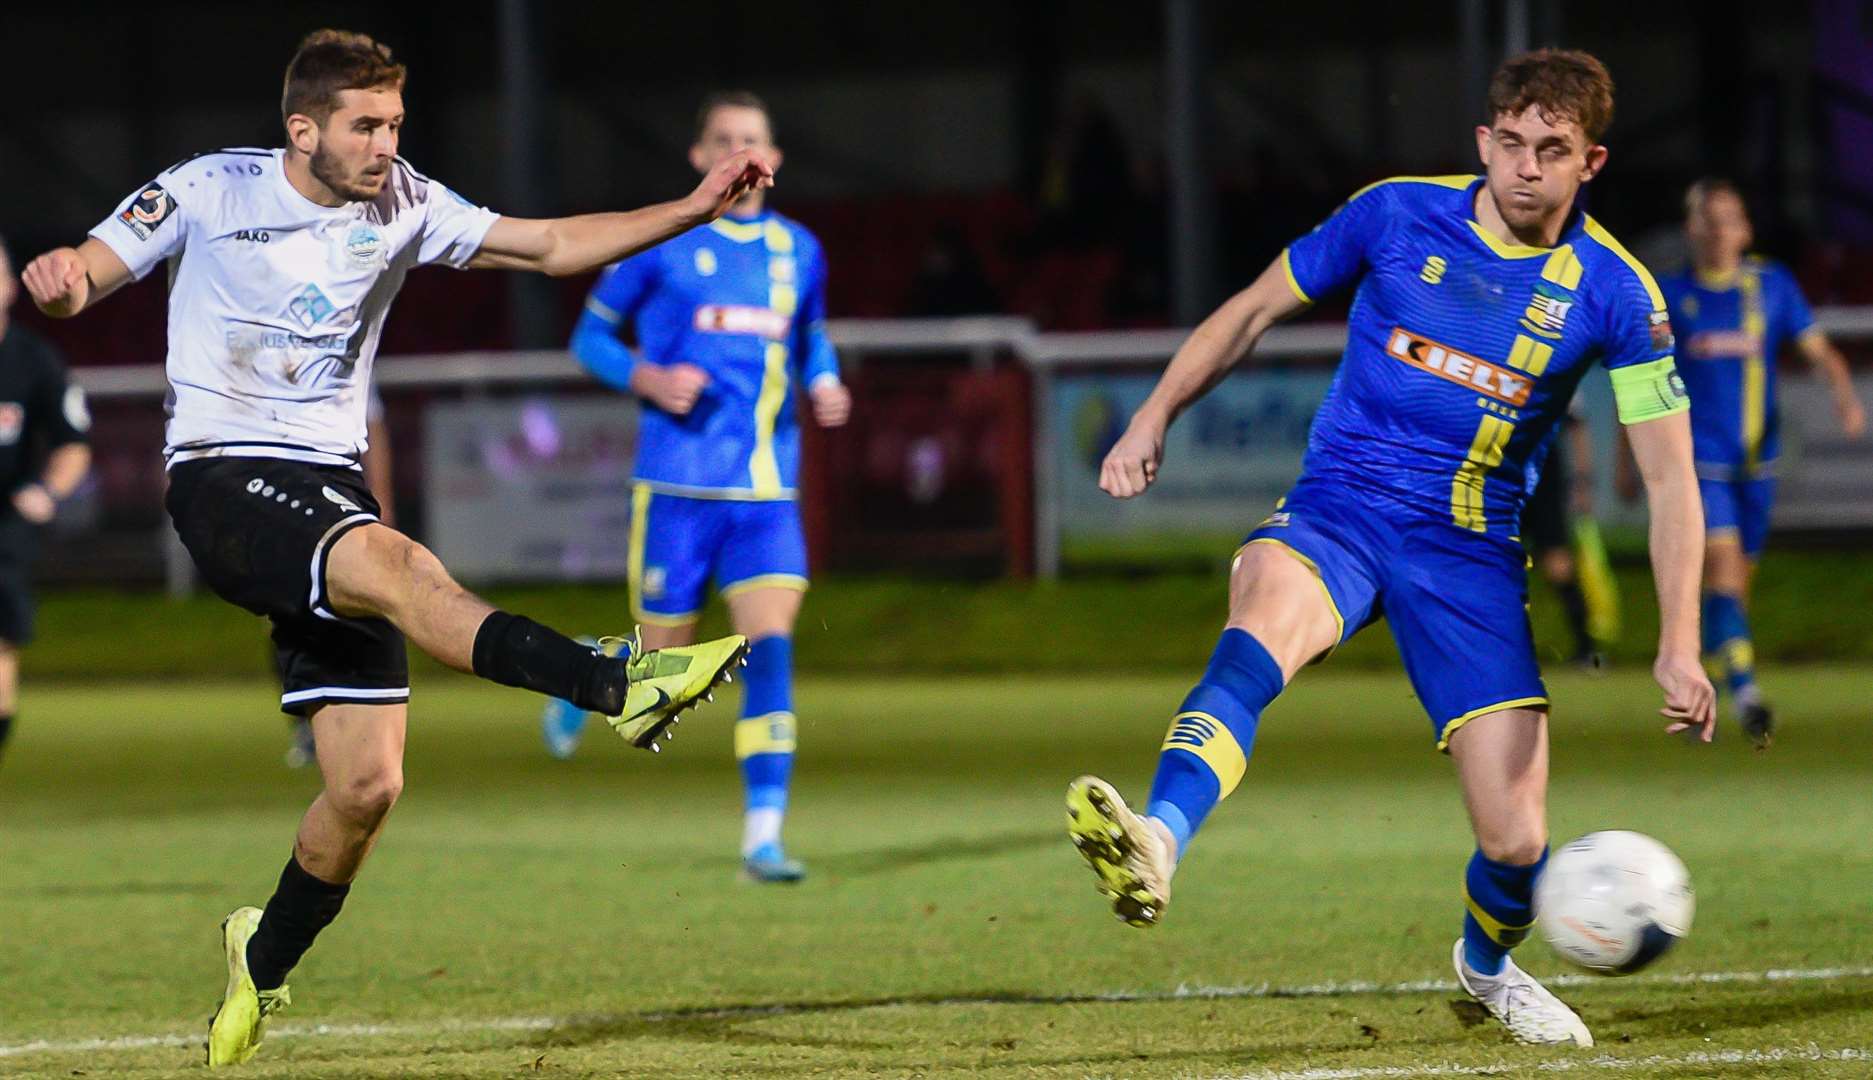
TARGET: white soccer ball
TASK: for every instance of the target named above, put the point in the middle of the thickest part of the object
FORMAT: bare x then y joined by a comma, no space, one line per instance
1614,901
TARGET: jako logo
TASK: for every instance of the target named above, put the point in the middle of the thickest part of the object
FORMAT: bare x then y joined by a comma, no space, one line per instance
342,503
1459,367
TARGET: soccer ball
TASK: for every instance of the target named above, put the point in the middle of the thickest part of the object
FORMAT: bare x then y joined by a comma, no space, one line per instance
1614,901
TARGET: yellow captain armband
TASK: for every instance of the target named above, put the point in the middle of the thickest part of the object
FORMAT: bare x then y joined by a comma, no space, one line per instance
1649,391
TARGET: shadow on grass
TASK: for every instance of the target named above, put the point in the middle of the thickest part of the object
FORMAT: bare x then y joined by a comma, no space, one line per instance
1687,1016
884,860
82,890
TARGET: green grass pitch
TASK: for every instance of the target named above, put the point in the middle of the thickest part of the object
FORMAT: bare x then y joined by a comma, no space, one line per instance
525,916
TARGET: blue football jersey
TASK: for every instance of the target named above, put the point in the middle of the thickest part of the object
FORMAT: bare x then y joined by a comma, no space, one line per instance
1729,331
744,299
1463,351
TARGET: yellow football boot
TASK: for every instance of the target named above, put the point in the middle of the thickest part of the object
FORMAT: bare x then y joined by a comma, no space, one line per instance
665,682
235,1032
1132,862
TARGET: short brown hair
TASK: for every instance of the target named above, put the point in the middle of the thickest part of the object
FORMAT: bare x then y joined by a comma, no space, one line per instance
1565,84
329,61
1703,189
723,99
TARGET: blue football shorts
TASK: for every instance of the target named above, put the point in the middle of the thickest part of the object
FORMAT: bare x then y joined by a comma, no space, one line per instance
1739,507
1456,600
679,545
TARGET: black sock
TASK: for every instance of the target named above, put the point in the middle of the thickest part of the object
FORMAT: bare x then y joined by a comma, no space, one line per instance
513,650
301,906
1575,602
6,729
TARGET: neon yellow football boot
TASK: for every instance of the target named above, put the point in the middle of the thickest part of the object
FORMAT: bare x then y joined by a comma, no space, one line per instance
241,1021
1131,860
665,682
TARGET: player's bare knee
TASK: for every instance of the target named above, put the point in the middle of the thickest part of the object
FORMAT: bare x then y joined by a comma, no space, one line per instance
1514,846
1277,599
366,797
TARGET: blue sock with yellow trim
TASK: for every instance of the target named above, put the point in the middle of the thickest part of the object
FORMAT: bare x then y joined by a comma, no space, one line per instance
1727,640
765,738
1207,748
1500,903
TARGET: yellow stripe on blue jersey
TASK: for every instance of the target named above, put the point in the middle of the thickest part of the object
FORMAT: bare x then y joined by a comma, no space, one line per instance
1730,327
1463,347
1755,367
744,300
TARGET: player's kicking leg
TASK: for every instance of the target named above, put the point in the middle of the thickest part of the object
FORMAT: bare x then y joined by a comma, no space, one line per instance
1279,618
376,571
1502,761
360,754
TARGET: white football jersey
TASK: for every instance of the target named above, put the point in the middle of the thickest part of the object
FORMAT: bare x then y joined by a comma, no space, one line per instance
276,304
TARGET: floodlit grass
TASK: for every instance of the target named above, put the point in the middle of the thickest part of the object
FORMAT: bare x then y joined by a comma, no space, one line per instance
584,917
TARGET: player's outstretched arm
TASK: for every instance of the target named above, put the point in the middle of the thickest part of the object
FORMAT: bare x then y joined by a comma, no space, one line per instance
1215,346
66,281
1831,366
573,245
1662,448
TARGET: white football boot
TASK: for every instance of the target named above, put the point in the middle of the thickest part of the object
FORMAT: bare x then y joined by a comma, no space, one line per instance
1525,1007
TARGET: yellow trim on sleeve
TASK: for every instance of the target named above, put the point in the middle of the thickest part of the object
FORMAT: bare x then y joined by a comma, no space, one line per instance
1599,233
765,581
1648,391
1287,267
1443,741
775,733
1339,621
1211,741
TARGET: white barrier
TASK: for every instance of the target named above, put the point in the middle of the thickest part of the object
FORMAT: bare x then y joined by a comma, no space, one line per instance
1053,358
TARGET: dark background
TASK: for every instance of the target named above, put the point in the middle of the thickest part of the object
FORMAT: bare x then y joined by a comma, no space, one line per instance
1014,157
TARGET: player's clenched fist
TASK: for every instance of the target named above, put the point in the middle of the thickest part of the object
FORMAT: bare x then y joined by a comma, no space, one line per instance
57,282
674,388
832,403
1132,463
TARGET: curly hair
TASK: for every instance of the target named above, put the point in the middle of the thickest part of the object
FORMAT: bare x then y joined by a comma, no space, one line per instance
1565,84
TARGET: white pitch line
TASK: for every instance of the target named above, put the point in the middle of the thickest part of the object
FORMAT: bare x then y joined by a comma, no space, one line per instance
1604,1063
430,1029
